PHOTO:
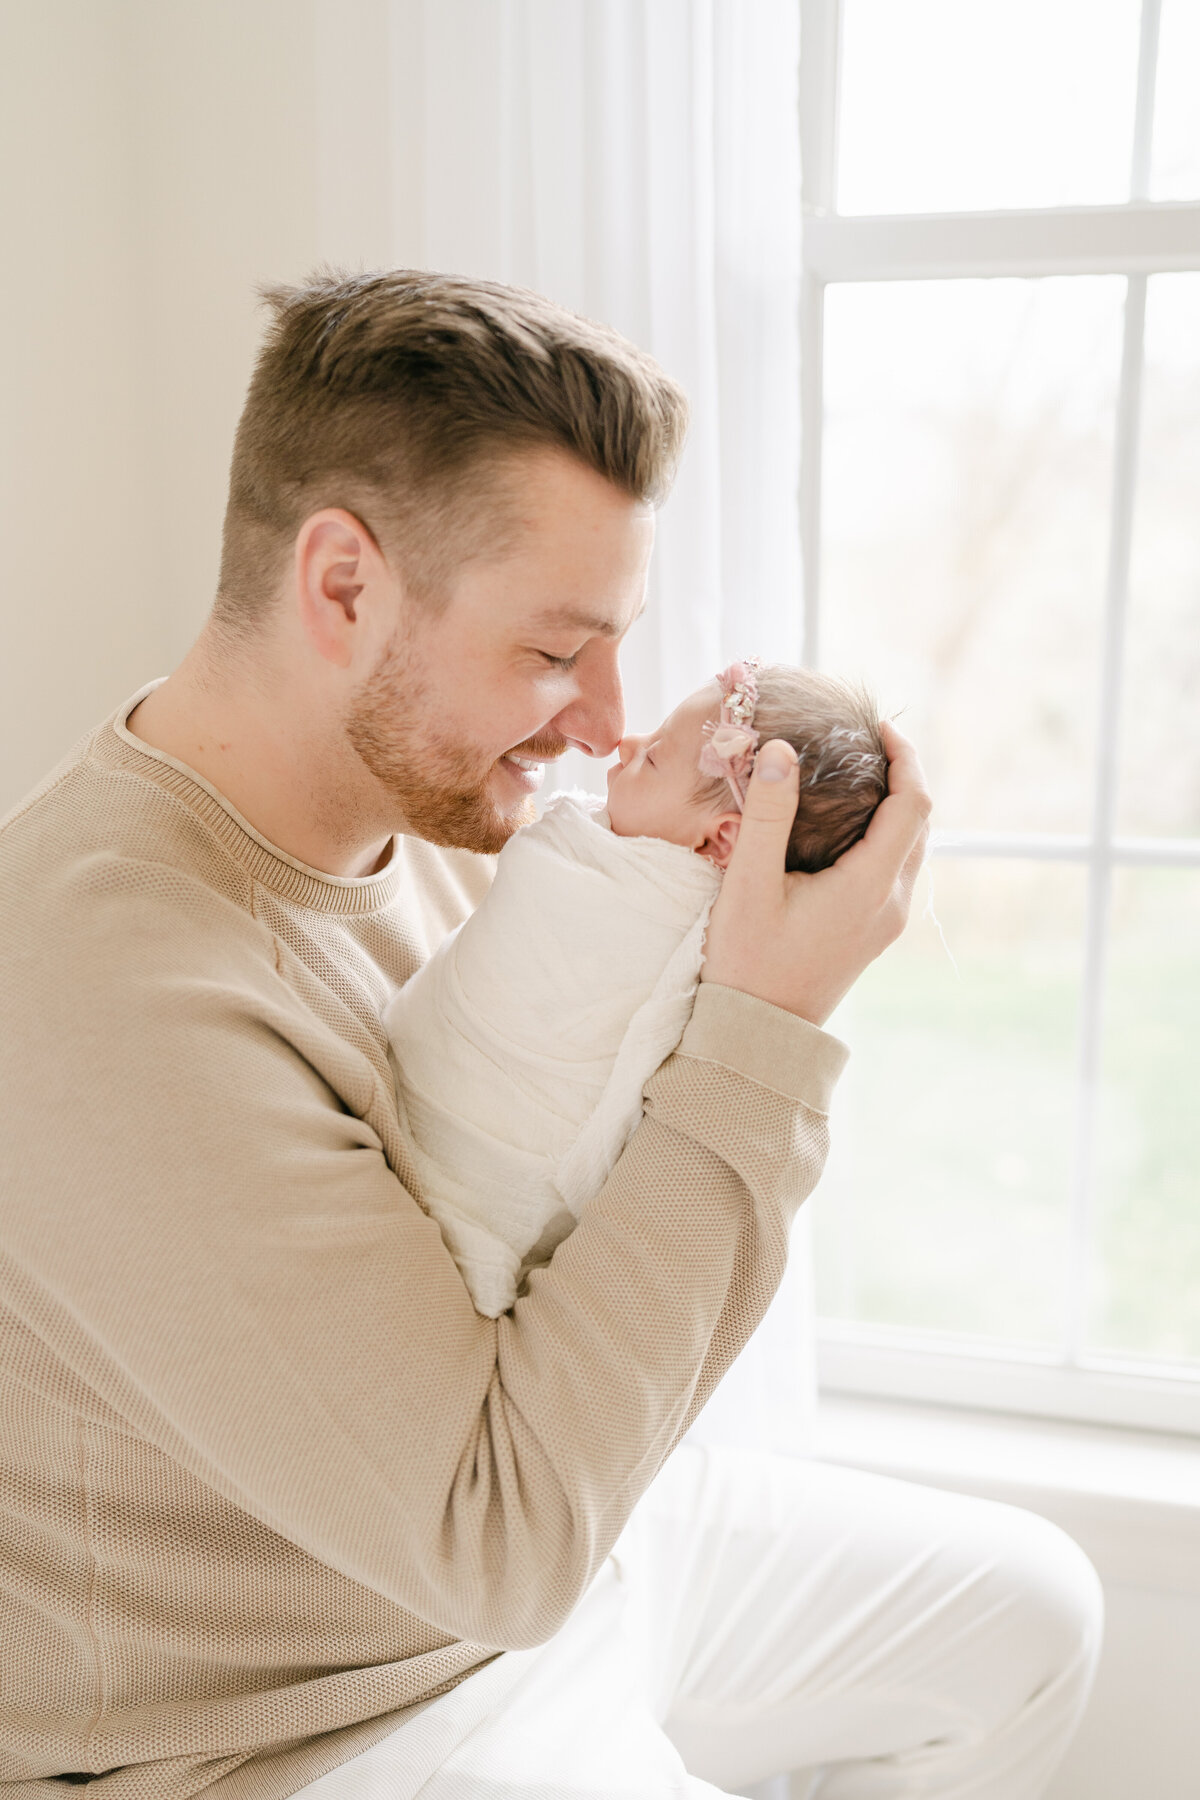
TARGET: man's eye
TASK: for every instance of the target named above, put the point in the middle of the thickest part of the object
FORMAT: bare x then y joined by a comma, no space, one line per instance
560,662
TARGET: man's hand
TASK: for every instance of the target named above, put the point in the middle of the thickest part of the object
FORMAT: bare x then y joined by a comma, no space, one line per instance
802,941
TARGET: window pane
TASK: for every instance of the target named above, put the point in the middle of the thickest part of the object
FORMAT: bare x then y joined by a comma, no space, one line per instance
1147,1281
1175,164
947,106
945,1200
1159,794
966,481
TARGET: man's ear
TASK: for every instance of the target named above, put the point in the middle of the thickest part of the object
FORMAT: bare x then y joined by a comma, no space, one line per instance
720,837
336,559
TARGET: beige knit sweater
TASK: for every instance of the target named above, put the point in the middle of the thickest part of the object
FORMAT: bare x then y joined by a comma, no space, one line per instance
266,1477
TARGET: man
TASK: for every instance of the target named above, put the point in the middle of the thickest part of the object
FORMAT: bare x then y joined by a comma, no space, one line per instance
276,1497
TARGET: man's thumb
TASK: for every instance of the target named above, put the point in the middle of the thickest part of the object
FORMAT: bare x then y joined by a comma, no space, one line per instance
770,802
775,778
775,761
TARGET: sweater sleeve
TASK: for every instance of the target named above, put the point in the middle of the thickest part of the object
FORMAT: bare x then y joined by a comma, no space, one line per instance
201,1222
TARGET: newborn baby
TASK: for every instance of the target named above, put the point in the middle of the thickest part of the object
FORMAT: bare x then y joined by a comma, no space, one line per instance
522,1047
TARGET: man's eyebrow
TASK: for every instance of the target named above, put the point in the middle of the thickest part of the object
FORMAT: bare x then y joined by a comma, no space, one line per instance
573,619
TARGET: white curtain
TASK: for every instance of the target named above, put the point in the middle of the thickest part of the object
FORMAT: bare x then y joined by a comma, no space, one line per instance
638,160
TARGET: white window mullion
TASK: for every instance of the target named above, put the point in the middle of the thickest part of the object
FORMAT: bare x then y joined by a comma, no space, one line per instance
1147,83
1122,852
820,88
1081,1213
812,410
1134,239
1032,846
1079,1227
1156,853
820,36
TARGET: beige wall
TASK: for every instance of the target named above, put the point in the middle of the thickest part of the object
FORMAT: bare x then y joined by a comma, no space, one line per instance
78,619
157,159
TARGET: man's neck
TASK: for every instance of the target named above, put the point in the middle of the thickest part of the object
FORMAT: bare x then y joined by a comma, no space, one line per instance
296,781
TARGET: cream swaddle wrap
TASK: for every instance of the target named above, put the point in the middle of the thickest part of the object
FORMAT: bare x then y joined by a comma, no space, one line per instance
521,1048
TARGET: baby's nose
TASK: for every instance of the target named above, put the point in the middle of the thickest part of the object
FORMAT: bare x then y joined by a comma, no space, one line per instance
626,749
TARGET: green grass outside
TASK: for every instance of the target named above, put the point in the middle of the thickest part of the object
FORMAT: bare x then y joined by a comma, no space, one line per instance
946,1202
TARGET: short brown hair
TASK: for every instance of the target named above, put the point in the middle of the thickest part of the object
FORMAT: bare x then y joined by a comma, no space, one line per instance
401,395
833,726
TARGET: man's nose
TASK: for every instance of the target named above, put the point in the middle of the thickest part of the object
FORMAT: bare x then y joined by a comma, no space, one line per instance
595,720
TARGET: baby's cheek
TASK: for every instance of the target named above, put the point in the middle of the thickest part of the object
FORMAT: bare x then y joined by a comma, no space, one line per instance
627,813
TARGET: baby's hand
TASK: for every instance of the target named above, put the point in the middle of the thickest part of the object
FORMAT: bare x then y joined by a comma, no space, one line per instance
801,941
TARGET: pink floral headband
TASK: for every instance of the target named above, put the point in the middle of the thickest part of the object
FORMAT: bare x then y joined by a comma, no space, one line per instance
731,741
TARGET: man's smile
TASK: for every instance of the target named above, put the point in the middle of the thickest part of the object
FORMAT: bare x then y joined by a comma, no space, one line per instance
527,770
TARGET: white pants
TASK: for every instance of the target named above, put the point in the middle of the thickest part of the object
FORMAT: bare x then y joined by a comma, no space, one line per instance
763,1614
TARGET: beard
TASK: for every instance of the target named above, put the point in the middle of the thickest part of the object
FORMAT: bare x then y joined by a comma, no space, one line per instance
441,786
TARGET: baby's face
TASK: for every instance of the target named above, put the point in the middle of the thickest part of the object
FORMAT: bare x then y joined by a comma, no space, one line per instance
651,790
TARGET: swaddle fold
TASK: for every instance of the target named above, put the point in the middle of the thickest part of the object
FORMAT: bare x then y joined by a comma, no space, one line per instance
522,1047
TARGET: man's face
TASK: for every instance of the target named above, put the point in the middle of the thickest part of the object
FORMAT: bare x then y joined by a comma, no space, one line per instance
470,701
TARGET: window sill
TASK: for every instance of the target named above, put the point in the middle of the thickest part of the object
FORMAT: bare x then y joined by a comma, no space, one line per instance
1131,1499
943,1370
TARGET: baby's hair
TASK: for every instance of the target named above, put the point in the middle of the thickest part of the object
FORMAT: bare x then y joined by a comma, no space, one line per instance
833,726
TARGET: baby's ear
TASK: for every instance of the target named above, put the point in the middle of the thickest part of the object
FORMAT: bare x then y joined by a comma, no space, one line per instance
720,837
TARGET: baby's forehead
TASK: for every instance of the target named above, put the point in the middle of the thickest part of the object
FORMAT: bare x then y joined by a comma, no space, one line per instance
691,713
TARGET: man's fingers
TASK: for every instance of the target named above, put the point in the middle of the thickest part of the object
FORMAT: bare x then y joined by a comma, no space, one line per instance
900,827
906,777
898,836
761,850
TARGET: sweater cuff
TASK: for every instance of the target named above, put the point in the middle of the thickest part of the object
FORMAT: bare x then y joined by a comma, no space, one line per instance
765,1044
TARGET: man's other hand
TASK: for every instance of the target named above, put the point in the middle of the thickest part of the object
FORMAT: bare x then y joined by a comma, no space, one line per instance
801,941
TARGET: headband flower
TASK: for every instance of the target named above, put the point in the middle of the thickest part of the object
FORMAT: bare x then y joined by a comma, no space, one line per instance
730,742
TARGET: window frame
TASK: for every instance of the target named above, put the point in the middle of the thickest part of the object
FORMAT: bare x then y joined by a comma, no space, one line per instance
1135,239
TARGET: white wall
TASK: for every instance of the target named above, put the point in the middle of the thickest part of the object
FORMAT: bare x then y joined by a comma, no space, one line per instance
1140,1739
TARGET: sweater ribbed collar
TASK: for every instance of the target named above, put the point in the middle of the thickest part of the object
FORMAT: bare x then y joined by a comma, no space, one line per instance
266,864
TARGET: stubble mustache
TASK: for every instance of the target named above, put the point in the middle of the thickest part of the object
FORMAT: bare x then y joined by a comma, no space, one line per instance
540,749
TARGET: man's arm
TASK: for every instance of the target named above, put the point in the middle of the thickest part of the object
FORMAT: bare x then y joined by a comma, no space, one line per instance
201,1223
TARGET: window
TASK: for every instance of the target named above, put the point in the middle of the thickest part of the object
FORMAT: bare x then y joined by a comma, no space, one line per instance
1001,514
